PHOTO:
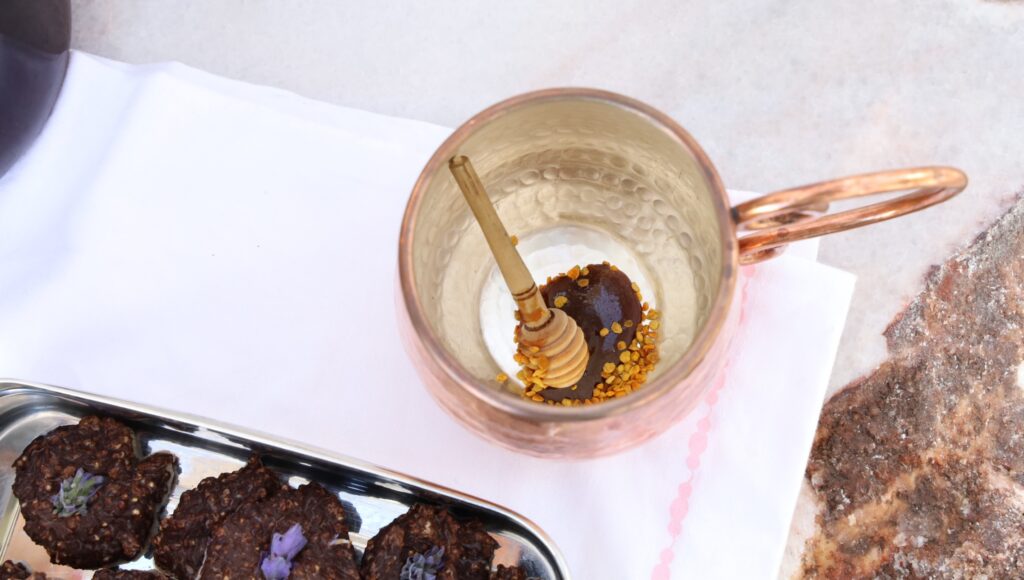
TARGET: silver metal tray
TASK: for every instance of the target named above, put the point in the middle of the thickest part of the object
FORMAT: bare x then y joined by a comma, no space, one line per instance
372,496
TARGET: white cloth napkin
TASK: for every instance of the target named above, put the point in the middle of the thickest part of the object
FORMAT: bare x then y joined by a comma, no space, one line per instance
195,243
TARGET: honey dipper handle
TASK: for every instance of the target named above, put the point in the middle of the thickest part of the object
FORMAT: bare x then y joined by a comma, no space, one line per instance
517,276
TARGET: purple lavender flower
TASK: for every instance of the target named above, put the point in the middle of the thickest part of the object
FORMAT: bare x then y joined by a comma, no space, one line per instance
283,549
75,493
289,544
275,568
423,566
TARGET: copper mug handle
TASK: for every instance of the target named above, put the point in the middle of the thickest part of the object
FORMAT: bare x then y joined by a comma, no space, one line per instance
800,213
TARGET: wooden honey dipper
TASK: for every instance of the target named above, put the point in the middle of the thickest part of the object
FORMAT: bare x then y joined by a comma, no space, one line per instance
554,333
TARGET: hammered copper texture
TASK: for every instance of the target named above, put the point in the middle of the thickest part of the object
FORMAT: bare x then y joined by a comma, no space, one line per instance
919,467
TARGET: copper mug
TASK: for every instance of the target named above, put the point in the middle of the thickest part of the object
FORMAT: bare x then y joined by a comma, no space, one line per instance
583,176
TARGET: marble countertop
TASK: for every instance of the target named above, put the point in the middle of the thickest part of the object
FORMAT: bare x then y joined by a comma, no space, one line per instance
779,93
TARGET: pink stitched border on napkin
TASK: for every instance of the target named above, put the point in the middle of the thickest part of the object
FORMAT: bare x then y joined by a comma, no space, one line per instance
697,444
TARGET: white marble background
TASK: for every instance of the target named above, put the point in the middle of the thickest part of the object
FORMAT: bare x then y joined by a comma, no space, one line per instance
779,92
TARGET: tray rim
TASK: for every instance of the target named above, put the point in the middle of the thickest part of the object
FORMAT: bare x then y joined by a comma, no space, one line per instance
289,445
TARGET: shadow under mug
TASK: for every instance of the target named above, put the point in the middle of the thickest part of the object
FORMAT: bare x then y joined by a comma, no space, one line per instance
582,174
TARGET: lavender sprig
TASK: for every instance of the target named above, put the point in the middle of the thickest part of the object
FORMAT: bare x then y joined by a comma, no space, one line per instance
75,493
283,548
424,566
